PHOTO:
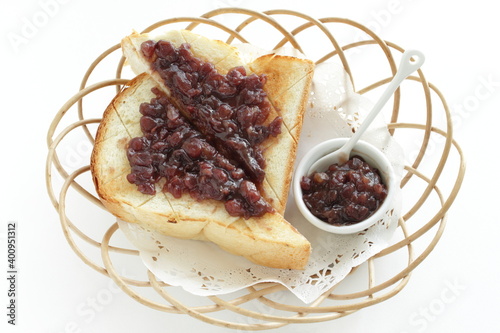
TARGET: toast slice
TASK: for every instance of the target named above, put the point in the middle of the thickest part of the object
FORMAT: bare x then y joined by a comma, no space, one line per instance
287,87
268,240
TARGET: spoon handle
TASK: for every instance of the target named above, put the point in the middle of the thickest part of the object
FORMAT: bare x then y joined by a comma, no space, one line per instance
410,62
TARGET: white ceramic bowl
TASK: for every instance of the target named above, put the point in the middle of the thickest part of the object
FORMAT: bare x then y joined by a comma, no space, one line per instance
373,156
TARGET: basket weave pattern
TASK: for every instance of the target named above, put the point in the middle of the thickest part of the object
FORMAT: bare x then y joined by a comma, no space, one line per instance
272,313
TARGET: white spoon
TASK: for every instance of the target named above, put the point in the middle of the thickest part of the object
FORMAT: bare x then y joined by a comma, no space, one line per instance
410,62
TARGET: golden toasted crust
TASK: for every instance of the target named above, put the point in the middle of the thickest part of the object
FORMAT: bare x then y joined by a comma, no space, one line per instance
270,240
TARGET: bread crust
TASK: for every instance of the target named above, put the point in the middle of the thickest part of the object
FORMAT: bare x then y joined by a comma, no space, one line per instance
270,240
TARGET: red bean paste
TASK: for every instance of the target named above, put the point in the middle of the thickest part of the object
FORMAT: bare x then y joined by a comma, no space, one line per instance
208,143
344,194
229,110
172,149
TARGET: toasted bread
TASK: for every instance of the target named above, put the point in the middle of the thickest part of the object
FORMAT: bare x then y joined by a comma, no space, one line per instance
287,87
268,240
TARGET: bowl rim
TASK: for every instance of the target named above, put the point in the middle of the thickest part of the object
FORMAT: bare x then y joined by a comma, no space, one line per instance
373,156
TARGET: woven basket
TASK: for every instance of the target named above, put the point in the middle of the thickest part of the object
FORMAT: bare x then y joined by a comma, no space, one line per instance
263,306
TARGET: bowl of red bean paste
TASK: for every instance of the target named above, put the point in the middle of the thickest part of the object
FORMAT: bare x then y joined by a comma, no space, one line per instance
346,198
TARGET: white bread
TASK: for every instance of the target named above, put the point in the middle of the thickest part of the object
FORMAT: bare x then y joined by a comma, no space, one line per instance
270,240
288,85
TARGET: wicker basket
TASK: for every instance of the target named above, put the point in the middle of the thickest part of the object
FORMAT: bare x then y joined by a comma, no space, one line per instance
258,306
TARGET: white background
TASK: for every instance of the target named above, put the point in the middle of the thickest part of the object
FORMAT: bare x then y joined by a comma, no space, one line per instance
455,289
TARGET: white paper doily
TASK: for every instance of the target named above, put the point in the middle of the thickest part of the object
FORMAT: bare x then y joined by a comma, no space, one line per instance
202,268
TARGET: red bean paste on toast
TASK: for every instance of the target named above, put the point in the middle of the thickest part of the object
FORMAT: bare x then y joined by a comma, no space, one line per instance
209,143
229,110
344,194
